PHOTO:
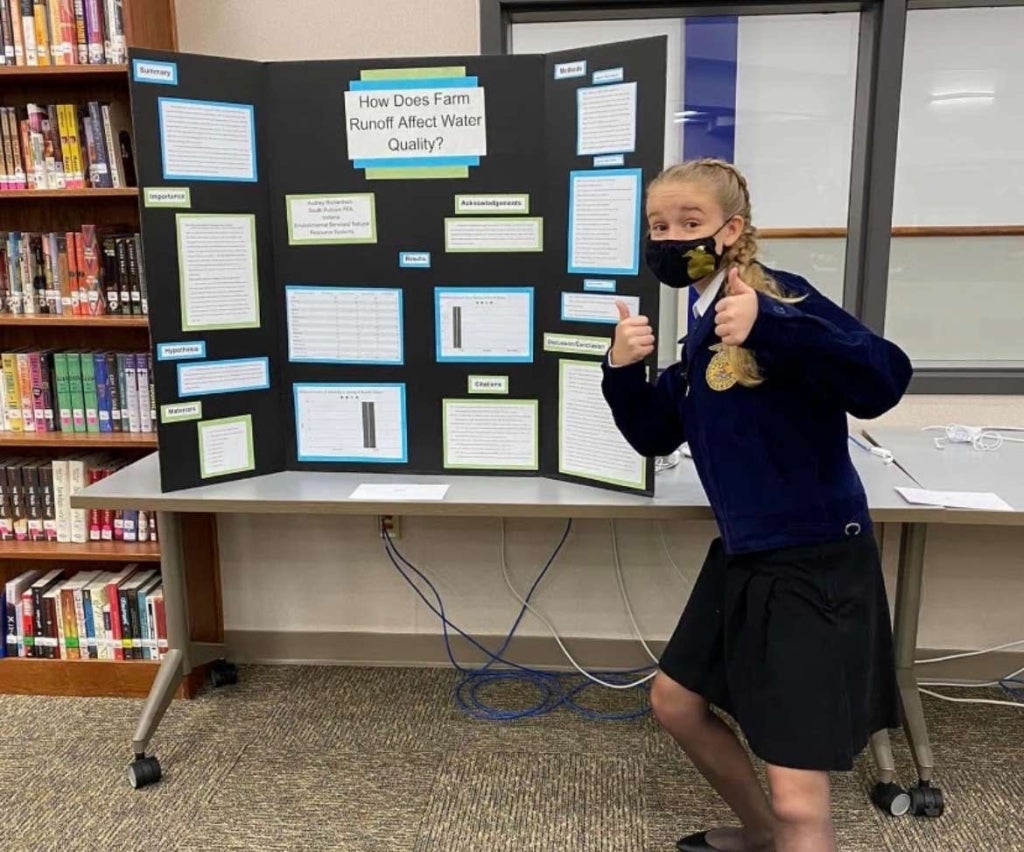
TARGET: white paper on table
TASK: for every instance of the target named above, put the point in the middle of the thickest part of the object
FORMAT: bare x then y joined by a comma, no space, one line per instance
398,491
983,500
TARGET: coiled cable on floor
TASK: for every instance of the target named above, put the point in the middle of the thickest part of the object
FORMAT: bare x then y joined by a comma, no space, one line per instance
553,689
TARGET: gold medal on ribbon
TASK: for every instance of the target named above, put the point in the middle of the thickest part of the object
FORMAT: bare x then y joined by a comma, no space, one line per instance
719,374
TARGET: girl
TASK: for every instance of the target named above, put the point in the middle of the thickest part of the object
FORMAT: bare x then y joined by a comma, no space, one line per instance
787,628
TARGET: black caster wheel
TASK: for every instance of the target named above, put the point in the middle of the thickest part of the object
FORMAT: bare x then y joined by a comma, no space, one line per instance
223,673
143,771
926,800
891,798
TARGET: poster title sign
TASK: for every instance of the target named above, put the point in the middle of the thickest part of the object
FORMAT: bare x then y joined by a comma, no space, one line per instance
437,118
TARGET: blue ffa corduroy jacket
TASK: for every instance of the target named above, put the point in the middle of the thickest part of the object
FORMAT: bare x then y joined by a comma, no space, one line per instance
774,459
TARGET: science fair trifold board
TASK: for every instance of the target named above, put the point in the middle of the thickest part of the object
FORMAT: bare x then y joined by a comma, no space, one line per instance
401,265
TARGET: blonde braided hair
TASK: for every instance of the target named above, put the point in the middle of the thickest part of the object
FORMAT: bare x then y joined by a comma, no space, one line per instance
731,193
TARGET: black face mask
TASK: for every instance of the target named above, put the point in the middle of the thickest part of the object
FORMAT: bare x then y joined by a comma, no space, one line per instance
680,263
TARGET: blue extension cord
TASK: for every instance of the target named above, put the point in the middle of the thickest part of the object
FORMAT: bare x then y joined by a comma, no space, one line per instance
555,689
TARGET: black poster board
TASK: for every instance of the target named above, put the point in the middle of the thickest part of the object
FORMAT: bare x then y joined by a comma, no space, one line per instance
516,192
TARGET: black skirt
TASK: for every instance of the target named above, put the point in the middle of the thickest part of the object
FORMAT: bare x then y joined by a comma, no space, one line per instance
796,645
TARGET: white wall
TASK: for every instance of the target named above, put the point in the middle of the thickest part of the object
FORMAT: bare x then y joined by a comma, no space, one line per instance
330,573
330,29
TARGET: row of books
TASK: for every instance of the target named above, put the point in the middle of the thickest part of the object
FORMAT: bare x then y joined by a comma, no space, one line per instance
66,146
63,32
98,392
35,503
86,615
89,272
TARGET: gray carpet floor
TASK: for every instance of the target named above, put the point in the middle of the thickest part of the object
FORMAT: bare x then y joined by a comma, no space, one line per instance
367,760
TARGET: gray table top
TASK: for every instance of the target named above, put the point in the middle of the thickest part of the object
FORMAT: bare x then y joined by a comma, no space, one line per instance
958,467
679,495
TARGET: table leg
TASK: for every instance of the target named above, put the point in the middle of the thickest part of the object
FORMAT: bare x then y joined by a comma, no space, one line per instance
176,665
925,799
887,793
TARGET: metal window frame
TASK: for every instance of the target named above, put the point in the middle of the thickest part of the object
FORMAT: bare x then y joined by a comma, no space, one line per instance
876,123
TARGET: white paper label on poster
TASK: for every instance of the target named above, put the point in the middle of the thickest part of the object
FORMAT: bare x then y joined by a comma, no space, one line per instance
225,446
347,325
228,376
207,140
484,324
606,119
350,422
217,269
331,219
494,235
404,123
596,307
576,344
568,70
500,203
589,443
604,222
487,384
491,434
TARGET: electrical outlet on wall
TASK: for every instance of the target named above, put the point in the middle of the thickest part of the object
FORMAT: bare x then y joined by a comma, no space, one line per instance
388,524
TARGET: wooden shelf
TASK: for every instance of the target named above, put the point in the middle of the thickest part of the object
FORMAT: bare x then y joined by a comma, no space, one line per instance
62,72
71,321
94,551
62,194
103,440
148,24
87,678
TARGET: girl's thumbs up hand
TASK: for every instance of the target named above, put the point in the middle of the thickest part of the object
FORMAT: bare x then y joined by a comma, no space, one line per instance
634,338
736,312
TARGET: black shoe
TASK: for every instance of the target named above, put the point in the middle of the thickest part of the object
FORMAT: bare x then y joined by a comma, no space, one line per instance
694,843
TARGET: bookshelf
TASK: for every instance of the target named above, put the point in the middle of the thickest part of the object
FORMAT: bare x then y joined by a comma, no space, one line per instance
94,551
77,441
64,73
63,195
150,24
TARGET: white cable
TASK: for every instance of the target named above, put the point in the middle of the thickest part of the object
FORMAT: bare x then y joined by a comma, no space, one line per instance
666,462
967,654
981,438
950,698
531,609
972,685
675,567
625,597
882,453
